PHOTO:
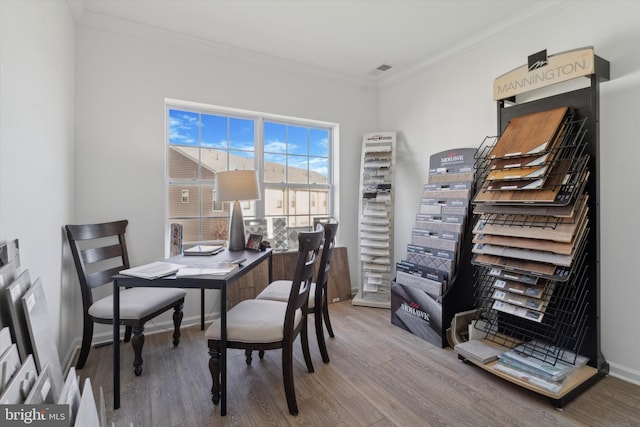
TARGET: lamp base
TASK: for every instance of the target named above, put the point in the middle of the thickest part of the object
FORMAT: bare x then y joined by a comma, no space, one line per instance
236,229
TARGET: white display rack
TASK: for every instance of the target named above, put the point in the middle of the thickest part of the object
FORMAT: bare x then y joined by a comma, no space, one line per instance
375,226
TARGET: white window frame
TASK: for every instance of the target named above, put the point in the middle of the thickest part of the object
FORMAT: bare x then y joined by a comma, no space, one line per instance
259,119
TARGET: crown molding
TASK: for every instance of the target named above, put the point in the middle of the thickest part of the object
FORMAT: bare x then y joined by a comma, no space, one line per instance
76,7
534,13
162,36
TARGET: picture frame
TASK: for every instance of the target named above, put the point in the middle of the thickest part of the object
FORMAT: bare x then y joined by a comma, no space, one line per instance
254,241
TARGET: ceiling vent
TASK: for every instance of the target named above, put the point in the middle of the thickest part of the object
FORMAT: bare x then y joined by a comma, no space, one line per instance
381,69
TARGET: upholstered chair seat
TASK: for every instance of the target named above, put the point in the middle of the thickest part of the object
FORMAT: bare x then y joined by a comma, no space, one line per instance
137,303
254,321
278,290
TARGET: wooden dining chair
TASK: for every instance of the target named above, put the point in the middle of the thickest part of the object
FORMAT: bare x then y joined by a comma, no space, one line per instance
260,324
100,252
279,290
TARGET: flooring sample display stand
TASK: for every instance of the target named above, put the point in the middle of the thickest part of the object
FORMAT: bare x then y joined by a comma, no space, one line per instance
435,279
375,225
569,318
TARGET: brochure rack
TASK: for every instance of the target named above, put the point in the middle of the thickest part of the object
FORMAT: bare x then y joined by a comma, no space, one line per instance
568,315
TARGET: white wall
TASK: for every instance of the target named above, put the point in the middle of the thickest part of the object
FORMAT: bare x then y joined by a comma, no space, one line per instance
123,77
449,104
36,148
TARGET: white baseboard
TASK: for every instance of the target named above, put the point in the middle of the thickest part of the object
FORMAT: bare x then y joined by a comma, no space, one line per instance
624,373
150,328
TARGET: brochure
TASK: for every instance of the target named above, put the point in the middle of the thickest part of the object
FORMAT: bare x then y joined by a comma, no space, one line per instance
204,250
153,270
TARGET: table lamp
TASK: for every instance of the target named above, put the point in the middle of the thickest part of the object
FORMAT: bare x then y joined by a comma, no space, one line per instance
236,186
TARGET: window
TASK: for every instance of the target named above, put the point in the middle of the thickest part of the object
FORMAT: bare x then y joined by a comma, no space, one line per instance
292,157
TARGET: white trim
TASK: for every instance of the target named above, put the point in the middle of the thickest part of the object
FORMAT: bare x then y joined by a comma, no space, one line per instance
230,111
258,119
76,7
494,31
170,38
624,373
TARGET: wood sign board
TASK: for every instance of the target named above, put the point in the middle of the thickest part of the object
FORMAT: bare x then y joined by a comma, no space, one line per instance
561,67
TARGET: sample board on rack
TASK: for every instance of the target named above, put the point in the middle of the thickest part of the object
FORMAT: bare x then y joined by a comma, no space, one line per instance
375,226
433,281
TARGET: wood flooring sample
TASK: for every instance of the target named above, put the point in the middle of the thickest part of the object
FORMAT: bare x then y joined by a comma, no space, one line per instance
529,134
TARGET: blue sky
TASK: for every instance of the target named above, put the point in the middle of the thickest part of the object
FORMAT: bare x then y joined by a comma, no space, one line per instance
280,139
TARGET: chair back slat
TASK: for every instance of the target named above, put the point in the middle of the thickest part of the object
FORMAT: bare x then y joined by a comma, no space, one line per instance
330,227
93,255
99,251
102,277
308,248
96,231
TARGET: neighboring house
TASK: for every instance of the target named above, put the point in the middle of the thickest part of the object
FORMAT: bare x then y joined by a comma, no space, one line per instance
187,204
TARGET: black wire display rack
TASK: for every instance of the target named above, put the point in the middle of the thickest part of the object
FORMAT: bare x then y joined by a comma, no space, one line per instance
547,311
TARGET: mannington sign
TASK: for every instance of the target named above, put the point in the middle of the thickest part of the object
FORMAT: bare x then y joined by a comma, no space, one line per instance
542,71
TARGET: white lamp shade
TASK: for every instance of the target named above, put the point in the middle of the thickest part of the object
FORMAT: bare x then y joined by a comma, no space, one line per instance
237,185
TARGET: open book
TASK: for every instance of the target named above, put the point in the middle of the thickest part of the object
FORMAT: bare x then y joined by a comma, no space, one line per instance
204,250
153,270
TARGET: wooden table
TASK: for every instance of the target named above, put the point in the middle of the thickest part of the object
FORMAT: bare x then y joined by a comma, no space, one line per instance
253,259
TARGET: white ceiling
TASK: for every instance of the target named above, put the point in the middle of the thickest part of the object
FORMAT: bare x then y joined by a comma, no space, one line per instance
352,37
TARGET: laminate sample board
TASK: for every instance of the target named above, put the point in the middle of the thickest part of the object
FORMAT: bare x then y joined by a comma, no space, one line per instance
20,385
520,300
515,310
479,350
539,214
548,193
524,254
451,177
548,271
433,240
566,211
508,275
530,291
534,244
11,302
439,226
70,394
45,350
5,340
518,173
421,256
8,274
515,185
529,134
537,160
562,231
9,365
87,410
41,392
446,194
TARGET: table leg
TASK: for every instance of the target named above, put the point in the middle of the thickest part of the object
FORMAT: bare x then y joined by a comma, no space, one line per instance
202,309
116,345
223,350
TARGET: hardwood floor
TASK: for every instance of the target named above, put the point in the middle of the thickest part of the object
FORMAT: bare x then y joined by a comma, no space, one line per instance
379,375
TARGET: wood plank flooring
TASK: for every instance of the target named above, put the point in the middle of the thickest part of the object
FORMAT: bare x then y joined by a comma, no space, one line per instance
379,375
